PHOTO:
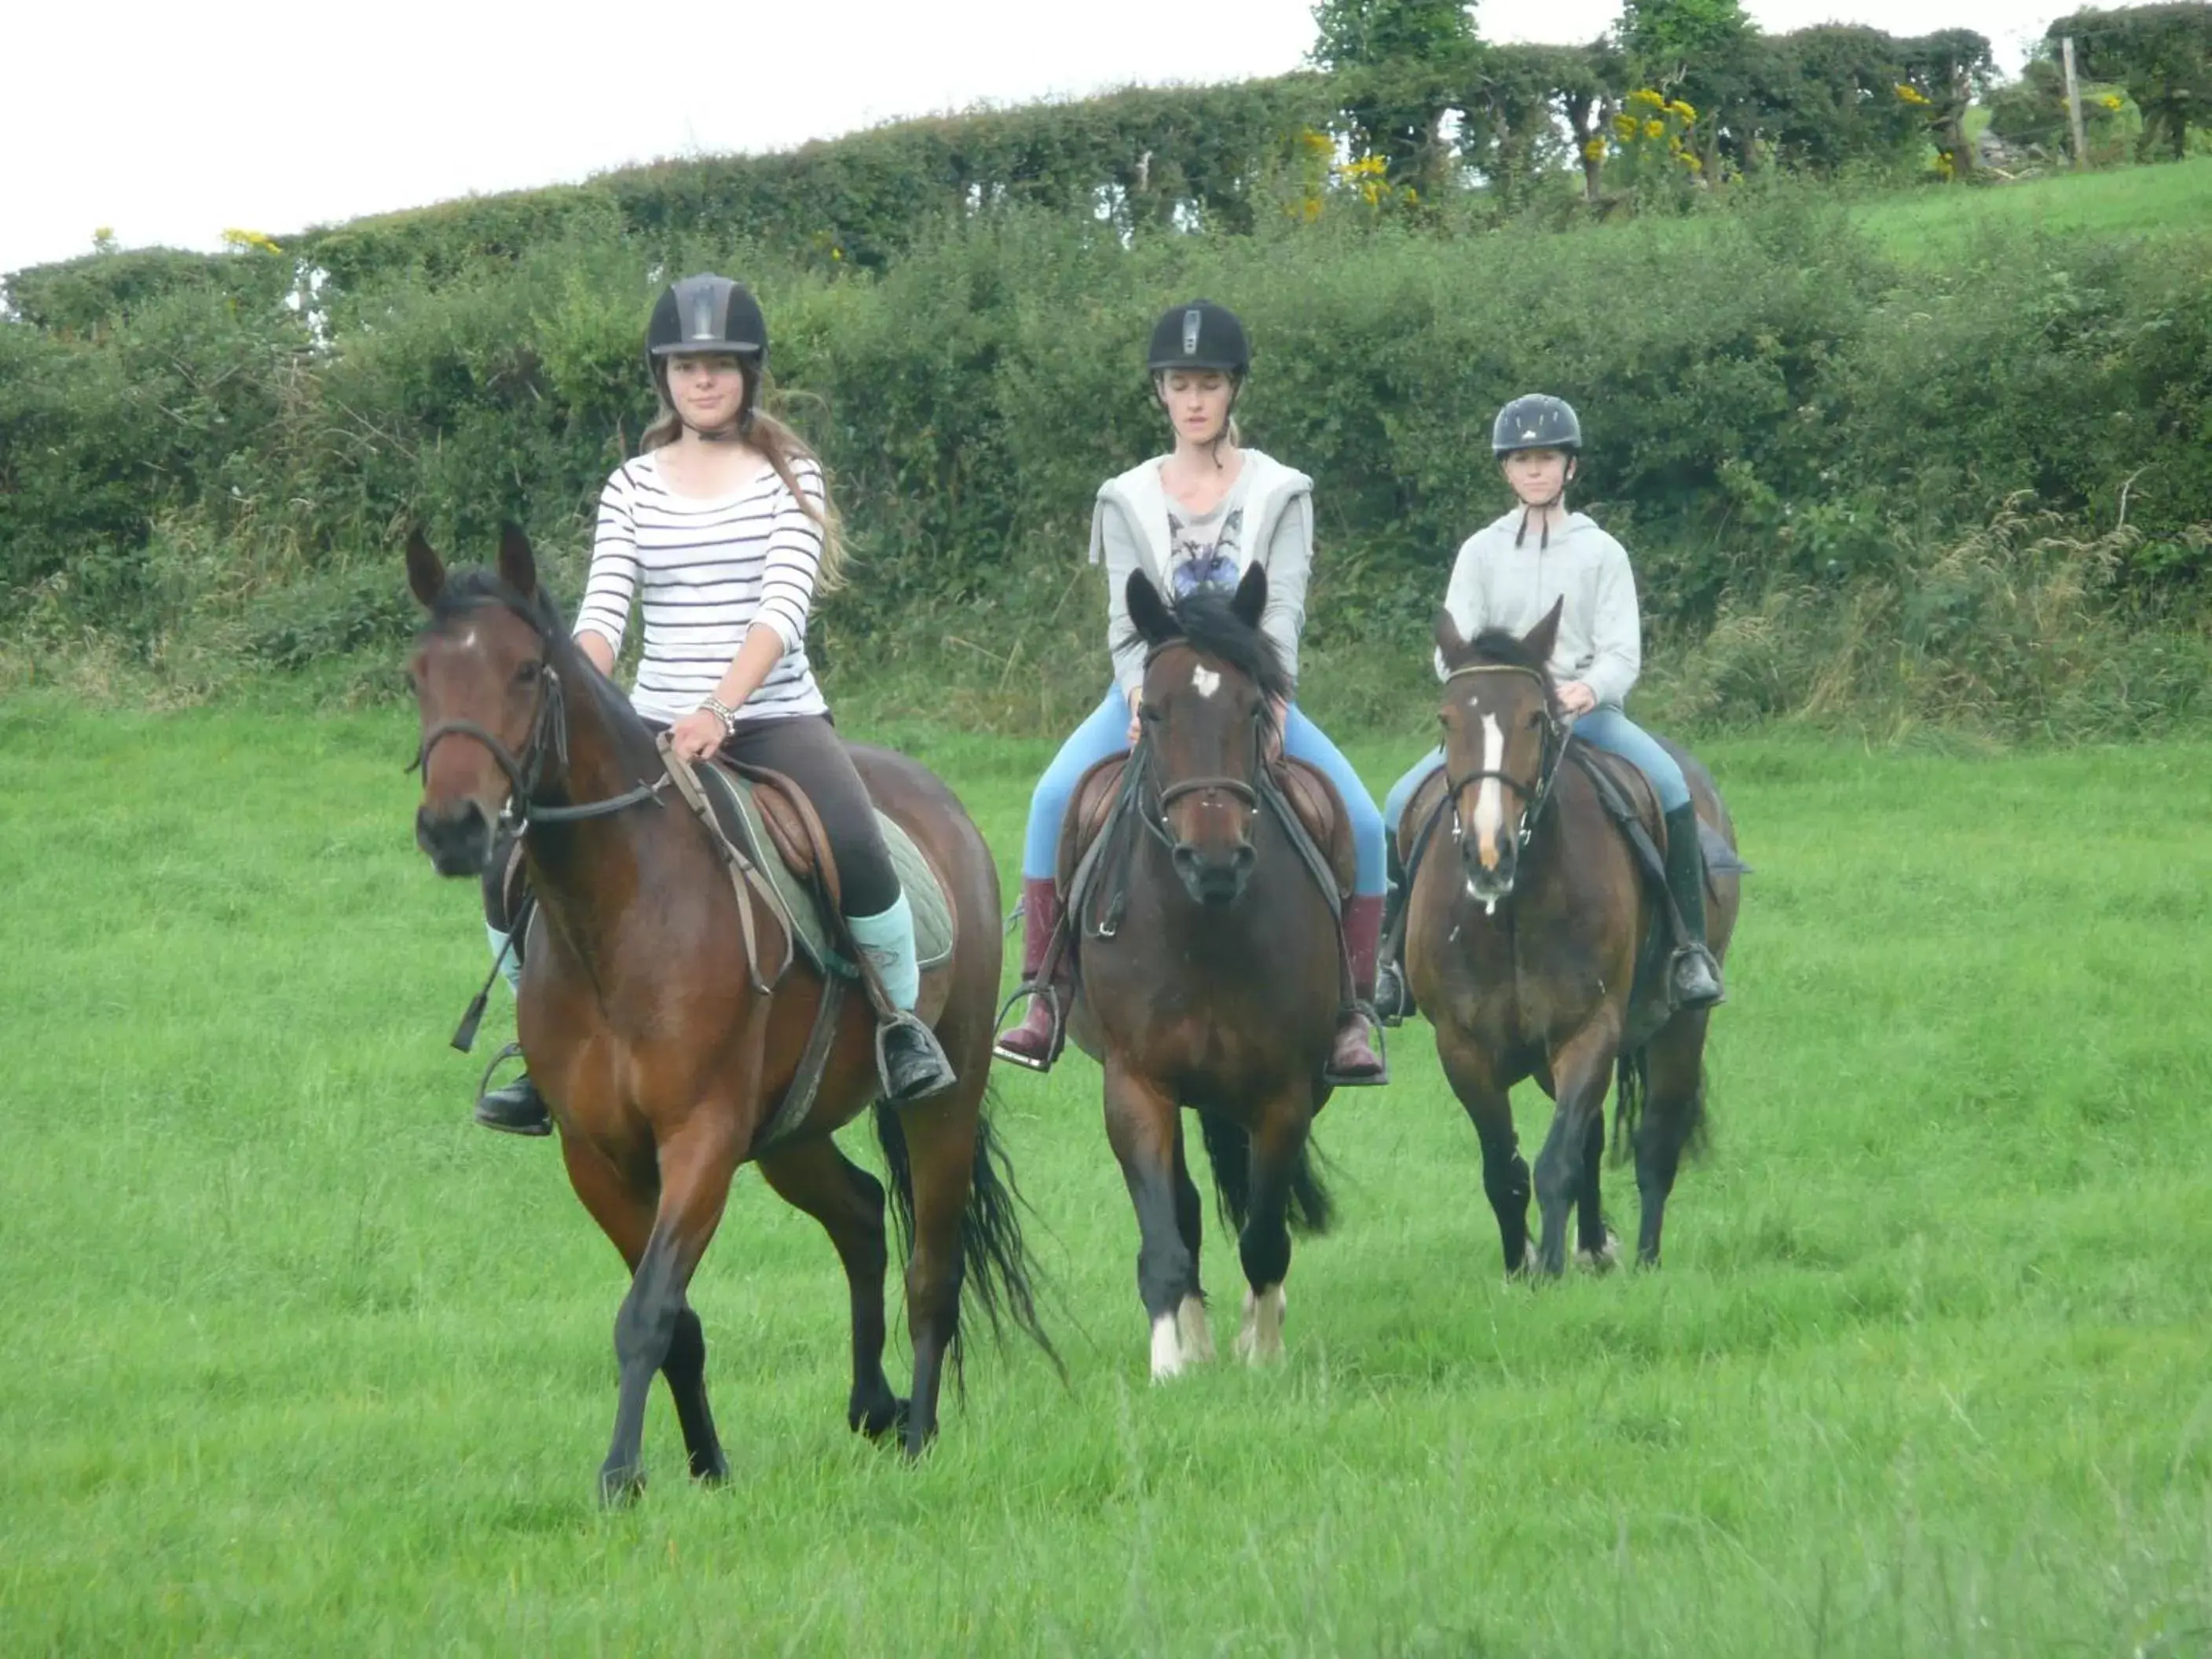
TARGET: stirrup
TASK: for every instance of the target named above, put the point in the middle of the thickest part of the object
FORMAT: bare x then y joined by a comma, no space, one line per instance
1029,990
1702,956
1341,1080
944,1077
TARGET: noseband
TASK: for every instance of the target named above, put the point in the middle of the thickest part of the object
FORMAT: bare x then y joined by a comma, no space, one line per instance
549,735
1534,801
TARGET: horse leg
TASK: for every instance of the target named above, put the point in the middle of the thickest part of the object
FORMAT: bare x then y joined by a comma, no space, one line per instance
1596,1248
625,1215
816,1177
941,1138
1581,1071
697,1164
1143,1126
1265,1244
1675,1103
1192,1329
1489,1107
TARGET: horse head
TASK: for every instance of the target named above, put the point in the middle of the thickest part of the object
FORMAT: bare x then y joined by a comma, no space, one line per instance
1209,676
480,672
1503,733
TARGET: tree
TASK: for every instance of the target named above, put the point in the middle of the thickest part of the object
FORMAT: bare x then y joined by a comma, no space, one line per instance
1703,52
2162,54
1396,62
1944,73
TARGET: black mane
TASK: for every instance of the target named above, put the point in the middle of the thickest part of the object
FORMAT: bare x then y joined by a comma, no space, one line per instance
1206,621
465,590
1508,650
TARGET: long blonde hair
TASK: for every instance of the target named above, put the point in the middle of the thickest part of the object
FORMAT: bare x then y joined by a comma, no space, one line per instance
784,448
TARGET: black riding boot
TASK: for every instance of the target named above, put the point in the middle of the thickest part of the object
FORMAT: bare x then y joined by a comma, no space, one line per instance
1394,997
1695,976
516,1108
909,1060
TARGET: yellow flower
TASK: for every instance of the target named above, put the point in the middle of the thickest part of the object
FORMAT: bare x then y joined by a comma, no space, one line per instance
1625,125
1683,110
1911,95
1593,150
1653,129
1648,98
245,239
2111,101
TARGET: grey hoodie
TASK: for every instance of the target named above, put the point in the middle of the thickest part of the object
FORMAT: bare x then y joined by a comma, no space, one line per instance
1274,527
1495,584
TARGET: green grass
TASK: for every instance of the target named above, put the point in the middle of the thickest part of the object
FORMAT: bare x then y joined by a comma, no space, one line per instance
298,1360
2171,198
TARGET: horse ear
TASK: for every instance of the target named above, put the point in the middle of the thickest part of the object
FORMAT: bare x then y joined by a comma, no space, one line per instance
1540,638
518,566
1251,598
426,572
1147,611
1451,644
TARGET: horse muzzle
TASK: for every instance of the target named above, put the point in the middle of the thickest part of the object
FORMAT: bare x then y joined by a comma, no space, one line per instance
457,835
1215,878
1492,882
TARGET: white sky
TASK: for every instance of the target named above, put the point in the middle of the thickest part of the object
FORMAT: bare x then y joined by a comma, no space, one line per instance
170,123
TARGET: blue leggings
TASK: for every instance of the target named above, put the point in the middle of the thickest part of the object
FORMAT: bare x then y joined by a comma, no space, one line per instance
1601,728
1107,733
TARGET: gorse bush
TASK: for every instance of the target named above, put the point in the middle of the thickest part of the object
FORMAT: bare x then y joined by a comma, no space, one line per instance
1775,407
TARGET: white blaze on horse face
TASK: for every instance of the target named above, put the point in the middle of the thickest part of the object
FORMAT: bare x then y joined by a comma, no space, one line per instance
1490,800
1205,681
1167,1349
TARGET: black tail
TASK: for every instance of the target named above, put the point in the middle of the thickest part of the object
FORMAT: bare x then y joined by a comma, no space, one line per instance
1631,1087
1229,1150
994,1259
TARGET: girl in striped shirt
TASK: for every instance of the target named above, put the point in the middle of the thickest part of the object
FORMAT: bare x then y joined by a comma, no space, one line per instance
721,528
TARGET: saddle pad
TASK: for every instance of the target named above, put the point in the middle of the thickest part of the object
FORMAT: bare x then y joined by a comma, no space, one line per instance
732,797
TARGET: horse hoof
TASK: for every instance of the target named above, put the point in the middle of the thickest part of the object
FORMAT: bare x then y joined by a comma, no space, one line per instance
1193,1331
1260,1339
620,1488
877,1420
710,1472
1604,1259
1167,1349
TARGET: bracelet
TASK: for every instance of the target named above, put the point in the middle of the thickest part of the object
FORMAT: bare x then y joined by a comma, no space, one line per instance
722,712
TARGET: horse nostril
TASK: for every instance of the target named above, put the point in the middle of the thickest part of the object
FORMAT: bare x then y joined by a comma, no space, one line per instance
1245,856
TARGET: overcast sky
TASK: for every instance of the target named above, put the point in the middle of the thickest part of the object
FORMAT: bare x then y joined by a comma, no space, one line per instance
170,124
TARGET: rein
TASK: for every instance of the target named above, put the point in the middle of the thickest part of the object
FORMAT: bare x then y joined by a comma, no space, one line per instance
549,731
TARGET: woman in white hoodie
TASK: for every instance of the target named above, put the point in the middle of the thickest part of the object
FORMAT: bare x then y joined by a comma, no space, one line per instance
1508,575
1191,519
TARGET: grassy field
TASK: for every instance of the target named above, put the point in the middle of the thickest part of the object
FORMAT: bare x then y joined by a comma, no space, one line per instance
2166,199
300,1360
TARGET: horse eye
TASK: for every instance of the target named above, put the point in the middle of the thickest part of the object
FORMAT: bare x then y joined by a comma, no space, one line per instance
527,673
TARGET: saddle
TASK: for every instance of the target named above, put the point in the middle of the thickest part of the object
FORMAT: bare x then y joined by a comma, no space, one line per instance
1317,811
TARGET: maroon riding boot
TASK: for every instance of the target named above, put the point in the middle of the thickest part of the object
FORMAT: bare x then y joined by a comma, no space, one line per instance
1356,1062
1036,1041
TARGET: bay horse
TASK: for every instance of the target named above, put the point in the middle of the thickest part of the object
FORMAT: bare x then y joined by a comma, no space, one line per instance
1527,948
1209,973
647,1032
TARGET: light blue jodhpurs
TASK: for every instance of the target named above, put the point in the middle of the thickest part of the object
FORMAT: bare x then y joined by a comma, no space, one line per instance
1107,733
1601,728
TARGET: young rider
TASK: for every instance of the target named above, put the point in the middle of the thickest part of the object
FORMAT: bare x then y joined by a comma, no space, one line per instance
1508,575
1191,519
722,527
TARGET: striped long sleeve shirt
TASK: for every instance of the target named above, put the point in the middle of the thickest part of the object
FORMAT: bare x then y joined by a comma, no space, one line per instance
707,571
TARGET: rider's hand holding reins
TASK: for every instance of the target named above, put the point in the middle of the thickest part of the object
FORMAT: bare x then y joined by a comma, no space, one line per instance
1136,725
1576,698
1278,709
697,735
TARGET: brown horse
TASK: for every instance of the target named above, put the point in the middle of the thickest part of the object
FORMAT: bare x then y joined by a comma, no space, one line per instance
1210,973
640,1020
1527,949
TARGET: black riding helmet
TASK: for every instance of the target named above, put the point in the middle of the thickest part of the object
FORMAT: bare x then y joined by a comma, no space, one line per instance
1200,335
1536,421
706,314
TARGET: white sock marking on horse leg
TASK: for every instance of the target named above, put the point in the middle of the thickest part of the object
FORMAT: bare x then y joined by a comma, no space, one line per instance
1604,1259
1205,681
1197,1335
1167,1349
1260,1338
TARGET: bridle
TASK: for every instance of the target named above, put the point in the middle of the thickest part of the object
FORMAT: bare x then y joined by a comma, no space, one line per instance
1153,814
549,737
1532,801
